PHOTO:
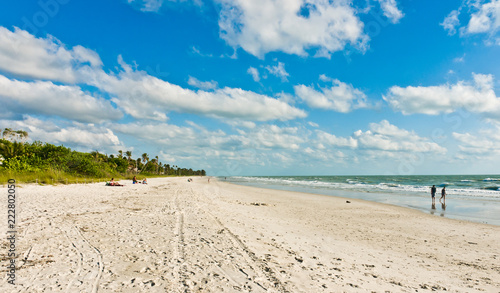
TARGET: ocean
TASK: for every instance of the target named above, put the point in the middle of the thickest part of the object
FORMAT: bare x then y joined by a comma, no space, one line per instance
469,197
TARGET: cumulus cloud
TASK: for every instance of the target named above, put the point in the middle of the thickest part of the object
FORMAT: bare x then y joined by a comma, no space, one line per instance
340,97
451,22
147,5
332,140
483,144
382,136
198,139
476,96
483,18
144,96
391,11
486,19
279,71
85,137
156,5
290,26
272,136
388,137
44,97
254,73
24,55
204,85
136,92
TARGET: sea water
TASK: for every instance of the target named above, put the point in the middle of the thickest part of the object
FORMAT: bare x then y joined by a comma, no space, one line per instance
468,197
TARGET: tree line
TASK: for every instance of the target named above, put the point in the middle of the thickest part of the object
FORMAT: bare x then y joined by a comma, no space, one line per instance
19,156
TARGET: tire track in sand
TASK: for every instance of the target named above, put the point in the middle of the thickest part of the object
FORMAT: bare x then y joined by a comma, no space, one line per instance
261,268
178,259
89,259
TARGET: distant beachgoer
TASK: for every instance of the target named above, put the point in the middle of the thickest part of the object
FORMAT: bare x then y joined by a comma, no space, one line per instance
112,182
208,180
433,193
134,180
443,194
144,181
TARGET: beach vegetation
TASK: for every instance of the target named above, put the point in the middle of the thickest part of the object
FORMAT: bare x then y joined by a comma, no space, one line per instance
49,163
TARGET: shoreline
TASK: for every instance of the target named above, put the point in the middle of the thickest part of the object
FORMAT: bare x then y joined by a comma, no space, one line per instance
172,235
478,210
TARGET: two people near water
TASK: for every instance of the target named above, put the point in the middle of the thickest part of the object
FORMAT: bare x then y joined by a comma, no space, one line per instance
433,193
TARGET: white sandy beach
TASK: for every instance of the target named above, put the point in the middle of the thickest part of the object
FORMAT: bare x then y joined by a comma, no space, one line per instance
175,236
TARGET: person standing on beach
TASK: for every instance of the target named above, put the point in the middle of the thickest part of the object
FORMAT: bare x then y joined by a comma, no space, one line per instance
433,193
443,194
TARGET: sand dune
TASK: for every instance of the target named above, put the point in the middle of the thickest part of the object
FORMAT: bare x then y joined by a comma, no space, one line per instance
175,236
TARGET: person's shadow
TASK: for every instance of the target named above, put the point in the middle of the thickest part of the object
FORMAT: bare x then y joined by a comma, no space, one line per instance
443,208
433,208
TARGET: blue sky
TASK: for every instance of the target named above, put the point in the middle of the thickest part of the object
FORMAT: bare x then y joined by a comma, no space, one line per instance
264,87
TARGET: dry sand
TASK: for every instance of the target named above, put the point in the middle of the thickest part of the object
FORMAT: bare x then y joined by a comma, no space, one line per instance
175,236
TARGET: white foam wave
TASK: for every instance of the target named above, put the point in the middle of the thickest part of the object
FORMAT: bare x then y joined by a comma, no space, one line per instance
355,185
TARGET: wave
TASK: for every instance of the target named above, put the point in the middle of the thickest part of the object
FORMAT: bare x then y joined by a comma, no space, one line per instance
491,179
456,189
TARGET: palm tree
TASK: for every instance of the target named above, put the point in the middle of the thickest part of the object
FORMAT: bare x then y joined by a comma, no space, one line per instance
156,163
120,154
138,164
129,157
145,160
11,149
15,135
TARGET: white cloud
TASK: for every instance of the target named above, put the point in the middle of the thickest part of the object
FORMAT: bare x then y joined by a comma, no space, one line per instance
391,10
274,137
24,55
451,22
240,123
156,5
290,26
341,97
381,136
266,136
459,59
147,97
484,18
44,97
84,137
332,140
137,93
388,137
204,85
254,73
279,71
148,5
477,96
482,145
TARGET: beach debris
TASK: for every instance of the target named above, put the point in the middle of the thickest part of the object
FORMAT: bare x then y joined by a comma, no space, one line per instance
258,204
299,259
347,201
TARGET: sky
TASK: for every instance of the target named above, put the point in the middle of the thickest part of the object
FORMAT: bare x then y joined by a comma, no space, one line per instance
262,87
